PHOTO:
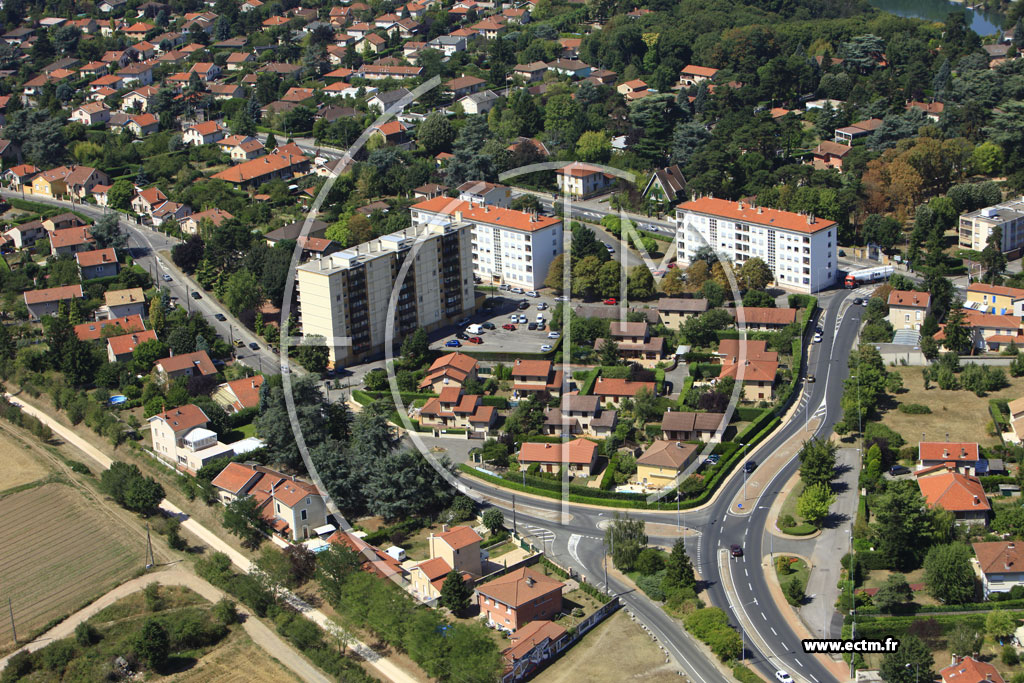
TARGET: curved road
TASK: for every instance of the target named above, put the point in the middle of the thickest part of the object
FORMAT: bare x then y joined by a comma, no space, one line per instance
573,534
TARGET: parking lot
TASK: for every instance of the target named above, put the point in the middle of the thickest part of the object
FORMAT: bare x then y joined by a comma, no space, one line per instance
502,305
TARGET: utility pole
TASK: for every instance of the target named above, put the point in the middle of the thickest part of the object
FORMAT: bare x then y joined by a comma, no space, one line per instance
150,560
10,611
514,530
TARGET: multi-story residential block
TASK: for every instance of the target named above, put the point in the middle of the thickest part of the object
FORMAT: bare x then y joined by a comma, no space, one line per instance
509,247
800,250
345,297
995,299
908,309
976,226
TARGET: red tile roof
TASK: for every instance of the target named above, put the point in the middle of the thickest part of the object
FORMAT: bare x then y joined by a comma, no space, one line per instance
528,637
771,218
199,360
89,331
909,299
999,557
126,343
970,670
610,386
459,537
694,70
38,296
69,237
954,492
575,452
246,391
519,587
981,287
95,257
182,418
948,452
235,477
490,215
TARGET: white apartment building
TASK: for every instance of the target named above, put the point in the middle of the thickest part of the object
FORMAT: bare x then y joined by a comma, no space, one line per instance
800,250
344,297
976,226
509,247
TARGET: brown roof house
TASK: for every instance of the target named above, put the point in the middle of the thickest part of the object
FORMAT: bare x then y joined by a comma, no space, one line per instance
239,394
673,312
578,456
663,461
292,507
579,415
512,601
180,437
687,426
195,364
455,410
1001,565
960,494
750,363
457,548
537,377
42,302
635,343
453,369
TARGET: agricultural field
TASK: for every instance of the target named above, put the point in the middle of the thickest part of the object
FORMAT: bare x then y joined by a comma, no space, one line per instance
235,660
18,465
58,551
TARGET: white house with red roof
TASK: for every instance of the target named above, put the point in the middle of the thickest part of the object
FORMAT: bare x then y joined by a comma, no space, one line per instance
121,347
961,494
582,181
963,456
180,437
239,394
970,670
205,133
578,457
457,548
291,507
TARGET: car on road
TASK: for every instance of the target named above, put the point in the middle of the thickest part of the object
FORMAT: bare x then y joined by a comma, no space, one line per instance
453,343
197,295
532,326
167,278
475,340
735,550
219,316
487,326
864,302
461,335
897,470
783,677
504,288
238,342
607,246
817,337
542,306
610,302
545,347
509,326
554,335
858,301
561,297
533,295
810,379
463,322
254,346
749,466
516,290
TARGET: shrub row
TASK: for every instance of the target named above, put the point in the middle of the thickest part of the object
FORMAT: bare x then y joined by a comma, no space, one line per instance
405,528
588,384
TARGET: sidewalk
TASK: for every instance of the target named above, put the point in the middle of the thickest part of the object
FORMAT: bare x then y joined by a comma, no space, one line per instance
260,633
385,668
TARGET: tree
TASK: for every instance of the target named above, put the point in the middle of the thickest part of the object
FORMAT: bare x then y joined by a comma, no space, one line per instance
556,276
910,663
585,243
242,292
697,273
958,339
494,520
881,230
107,232
120,194
948,573
584,277
242,518
758,298
609,354
673,284
455,593
594,146
814,503
1000,624
640,283
436,133
993,260
415,348
187,255
152,644
817,462
626,539
902,525
963,639
755,274
275,567
678,569
609,279
893,593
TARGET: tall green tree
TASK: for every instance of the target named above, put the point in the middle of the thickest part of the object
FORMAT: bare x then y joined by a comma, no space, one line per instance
626,539
912,662
893,593
957,336
902,525
817,462
242,518
814,503
678,569
948,573
455,593
992,257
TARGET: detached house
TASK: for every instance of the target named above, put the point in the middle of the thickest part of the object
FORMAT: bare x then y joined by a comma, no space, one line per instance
635,342
453,369
908,309
70,241
457,548
829,154
583,181
687,426
239,394
454,410
763,319
579,456
963,456
511,601
1000,564
535,377
205,133
42,302
692,74
751,364
579,415
195,364
91,113
94,330
180,436
663,461
121,303
121,347
291,507
960,494
673,312
970,670
613,390
97,263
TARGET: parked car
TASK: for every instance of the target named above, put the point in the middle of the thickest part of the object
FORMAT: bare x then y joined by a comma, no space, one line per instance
783,677
897,470
611,301
735,550
508,326
817,338
561,297
476,340
532,326
810,379
864,302
453,343
220,317
546,347
516,290
542,306
463,322
504,288
713,458
608,246
523,320
167,278
197,295
461,335
858,301
749,466
487,326
523,305
254,346
238,342
533,295
553,335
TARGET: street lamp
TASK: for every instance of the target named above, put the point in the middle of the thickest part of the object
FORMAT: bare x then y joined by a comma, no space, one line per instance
917,671
853,603
743,633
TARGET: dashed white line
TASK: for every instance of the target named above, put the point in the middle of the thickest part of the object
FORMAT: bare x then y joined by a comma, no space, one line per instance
815,678
749,586
763,616
774,633
798,662
745,572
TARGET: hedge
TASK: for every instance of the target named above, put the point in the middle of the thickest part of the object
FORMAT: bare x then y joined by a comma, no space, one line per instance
800,530
542,438
873,627
705,370
744,675
361,397
747,413
608,477
991,482
659,380
406,396
588,383
948,609
405,527
499,402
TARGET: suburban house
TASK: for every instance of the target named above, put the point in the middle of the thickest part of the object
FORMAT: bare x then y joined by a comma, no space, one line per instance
750,363
180,436
673,312
666,186
512,601
578,456
613,390
692,74
532,646
453,369
190,225
579,415
291,507
856,131
485,194
121,347
372,559
239,394
91,113
41,302
961,494
988,331
205,133
908,309
122,303
97,263
766,319
70,241
582,181
195,364
687,426
663,461
995,299
635,343
999,565
829,154
970,670
537,377
257,171
25,235
454,410
94,330
532,72
457,548
963,456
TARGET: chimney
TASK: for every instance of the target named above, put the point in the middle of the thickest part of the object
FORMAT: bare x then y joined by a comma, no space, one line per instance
810,219
977,501
963,452
444,528
760,209
529,581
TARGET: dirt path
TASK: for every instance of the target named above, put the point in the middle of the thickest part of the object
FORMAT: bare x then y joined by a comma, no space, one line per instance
257,630
384,667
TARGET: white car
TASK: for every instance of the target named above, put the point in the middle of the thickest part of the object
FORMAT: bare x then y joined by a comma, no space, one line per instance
817,338
523,320
514,318
561,298
553,335
542,306
533,295
546,347
516,290
783,677
167,278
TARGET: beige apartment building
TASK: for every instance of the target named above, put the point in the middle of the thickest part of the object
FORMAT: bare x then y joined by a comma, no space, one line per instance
344,297
976,226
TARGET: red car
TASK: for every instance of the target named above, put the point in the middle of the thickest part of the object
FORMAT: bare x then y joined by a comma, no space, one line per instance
475,340
673,265
508,326
610,302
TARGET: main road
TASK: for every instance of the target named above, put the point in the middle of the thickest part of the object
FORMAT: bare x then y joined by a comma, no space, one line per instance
144,246
573,534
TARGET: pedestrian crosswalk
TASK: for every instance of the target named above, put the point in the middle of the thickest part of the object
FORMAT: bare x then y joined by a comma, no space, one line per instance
537,532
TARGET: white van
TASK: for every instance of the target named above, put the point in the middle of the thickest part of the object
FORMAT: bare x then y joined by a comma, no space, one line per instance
474,329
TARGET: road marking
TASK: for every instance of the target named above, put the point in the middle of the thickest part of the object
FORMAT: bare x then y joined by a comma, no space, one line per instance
763,616
574,541
745,572
773,632
815,678
750,587
798,662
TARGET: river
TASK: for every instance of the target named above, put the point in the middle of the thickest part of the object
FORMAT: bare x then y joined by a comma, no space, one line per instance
983,23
